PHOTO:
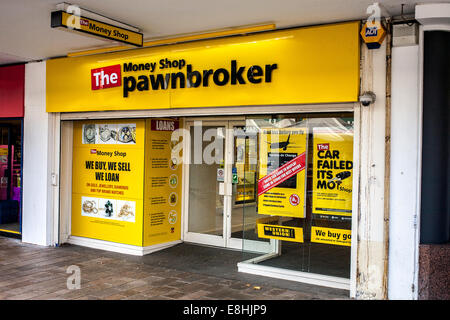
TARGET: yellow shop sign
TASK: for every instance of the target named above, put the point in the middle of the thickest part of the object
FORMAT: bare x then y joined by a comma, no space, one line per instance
305,65
71,22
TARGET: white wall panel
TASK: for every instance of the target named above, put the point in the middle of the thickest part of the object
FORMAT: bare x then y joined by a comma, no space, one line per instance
37,223
404,178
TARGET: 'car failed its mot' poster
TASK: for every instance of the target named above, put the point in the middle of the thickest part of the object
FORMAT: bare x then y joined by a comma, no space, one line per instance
332,174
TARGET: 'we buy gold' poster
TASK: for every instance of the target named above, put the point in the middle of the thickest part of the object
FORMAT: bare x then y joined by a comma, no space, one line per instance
281,184
332,173
107,180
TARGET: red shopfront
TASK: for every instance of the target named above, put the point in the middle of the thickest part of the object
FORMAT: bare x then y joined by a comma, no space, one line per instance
12,82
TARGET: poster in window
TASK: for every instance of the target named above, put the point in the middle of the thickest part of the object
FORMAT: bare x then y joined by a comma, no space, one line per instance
332,173
282,167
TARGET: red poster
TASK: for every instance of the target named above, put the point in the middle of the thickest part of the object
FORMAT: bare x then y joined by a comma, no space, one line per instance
283,173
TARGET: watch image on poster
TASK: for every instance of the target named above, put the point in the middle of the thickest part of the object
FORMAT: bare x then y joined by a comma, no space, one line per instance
109,133
281,183
332,173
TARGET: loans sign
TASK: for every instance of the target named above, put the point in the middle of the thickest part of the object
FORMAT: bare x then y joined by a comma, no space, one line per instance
163,185
72,22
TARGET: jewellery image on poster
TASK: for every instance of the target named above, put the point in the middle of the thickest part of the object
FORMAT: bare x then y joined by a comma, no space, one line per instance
89,207
126,210
111,209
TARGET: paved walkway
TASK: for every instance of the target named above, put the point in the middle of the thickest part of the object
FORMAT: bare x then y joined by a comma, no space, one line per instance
34,272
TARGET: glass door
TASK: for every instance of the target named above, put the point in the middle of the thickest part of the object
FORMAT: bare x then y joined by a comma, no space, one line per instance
206,195
243,216
221,184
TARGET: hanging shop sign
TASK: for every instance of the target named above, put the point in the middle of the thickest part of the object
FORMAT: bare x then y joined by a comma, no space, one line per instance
71,22
269,231
373,34
107,194
339,237
306,65
281,183
162,193
332,174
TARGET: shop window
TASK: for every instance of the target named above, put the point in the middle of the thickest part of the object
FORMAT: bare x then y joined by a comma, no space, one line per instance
303,169
10,176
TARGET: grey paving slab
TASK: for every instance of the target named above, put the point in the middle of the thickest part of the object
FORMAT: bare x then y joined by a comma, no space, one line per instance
183,272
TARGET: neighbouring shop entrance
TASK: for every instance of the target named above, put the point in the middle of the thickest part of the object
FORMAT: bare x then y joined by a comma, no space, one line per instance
10,176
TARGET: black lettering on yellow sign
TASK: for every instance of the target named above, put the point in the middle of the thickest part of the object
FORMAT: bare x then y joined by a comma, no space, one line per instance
191,78
279,232
107,166
328,160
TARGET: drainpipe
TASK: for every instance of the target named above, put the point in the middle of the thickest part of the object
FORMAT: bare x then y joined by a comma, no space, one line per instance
387,156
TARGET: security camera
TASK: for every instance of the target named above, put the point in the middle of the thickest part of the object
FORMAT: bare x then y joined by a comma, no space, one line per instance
367,98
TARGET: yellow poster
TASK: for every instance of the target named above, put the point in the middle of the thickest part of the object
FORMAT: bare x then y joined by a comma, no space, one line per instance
280,232
107,191
162,199
281,183
332,173
340,237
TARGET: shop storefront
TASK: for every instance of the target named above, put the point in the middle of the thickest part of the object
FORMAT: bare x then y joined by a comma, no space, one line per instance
11,127
250,143
257,142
